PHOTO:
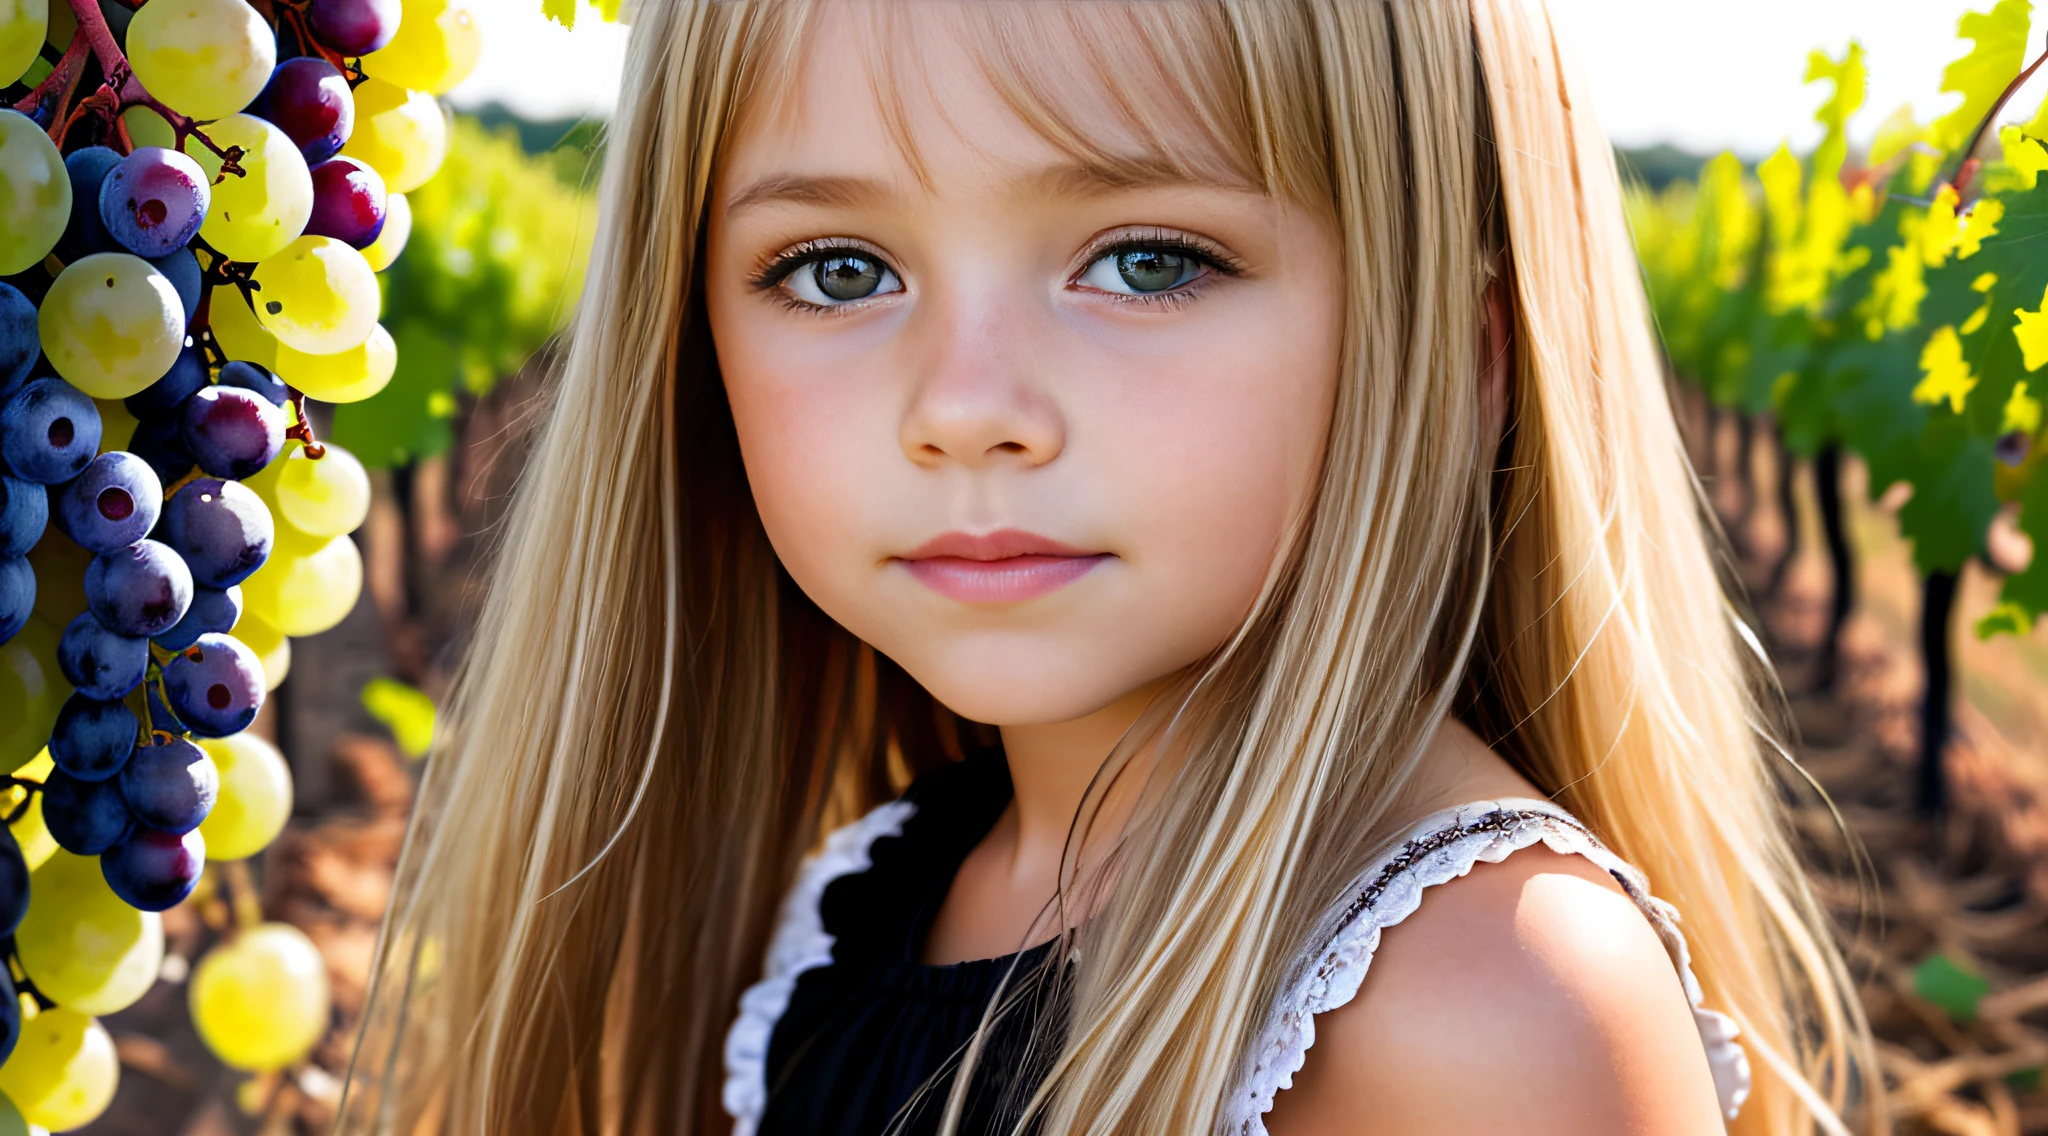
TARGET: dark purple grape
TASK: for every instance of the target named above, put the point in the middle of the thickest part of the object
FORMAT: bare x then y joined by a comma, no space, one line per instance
92,738
85,817
152,203
10,1015
13,894
161,398
48,431
141,590
215,686
160,716
159,442
221,528
212,610
24,513
154,871
20,343
17,594
86,232
253,376
309,99
98,662
111,505
170,785
182,268
348,202
354,27
231,432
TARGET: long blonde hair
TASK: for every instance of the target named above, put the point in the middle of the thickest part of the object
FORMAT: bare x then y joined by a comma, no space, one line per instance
653,726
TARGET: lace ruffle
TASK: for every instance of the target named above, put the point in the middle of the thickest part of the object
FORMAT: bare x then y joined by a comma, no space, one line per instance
801,943
1444,847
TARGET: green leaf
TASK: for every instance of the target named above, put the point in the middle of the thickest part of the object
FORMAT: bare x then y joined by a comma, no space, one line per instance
1953,987
406,712
1998,53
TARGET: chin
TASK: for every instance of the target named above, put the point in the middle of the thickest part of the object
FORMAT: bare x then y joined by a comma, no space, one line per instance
1027,685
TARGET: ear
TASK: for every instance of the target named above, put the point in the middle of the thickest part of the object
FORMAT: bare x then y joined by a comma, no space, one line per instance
1496,361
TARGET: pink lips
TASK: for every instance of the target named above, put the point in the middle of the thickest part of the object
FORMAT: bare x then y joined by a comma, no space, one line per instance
1005,566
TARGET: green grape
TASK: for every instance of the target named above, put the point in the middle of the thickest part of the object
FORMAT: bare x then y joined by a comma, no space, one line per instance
35,193
63,1070
32,690
236,330
323,497
60,582
80,944
255,215
260,1000
437,46
383,252
318,296
23,24
148,128
204,58
37,845
117,425
272,649
255,796
345,376
306,594
401,134
112,324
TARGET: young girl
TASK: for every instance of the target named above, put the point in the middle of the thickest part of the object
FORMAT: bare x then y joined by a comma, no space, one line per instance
1109,568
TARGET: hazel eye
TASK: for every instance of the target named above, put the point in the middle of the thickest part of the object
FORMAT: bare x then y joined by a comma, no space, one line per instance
1142,271
841,278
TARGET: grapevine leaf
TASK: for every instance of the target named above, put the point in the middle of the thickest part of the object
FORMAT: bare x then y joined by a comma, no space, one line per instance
1894,135
1953,501
562,12
1998,53
2027,590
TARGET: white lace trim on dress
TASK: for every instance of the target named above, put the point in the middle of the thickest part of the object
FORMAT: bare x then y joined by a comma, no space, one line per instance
801,943
1441,848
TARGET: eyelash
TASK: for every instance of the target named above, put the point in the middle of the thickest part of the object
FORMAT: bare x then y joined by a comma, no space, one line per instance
768,277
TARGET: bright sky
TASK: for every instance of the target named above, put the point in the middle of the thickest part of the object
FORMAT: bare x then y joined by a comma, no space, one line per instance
1705,74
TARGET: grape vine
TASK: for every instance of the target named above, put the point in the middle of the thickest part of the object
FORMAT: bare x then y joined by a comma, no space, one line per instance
195,199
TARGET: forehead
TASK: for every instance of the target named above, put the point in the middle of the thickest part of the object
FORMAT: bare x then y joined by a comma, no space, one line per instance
956,94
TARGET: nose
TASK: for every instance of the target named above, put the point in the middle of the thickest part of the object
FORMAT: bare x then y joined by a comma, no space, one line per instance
979,398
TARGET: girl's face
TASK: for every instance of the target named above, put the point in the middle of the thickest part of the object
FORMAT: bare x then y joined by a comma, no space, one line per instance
1035,432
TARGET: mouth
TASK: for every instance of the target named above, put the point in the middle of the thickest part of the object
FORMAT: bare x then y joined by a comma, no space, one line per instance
1004,566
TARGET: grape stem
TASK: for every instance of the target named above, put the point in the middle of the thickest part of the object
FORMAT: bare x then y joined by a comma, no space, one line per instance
1968,165
29,788
23,985
127,91
62,80
303,428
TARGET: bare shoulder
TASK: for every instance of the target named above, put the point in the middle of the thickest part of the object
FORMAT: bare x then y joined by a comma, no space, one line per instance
1531,995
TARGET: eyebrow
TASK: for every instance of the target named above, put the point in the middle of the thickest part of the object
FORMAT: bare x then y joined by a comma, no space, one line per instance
1060,179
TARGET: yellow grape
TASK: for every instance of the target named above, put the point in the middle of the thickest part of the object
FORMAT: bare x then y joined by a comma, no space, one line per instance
236,330
304,595
318,296
80,944
260,999
60,584
148,128
437,46
265,209
30,832
272,649
63,1071
322,497
383,252
204,58
117,426
112,324
32,690
345,376
35,193
23,24
255,796
401,134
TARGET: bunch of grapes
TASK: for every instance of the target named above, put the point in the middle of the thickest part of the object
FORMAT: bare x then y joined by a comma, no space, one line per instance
195,196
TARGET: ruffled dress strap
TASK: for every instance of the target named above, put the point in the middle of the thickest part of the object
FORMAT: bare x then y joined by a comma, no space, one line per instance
1441,848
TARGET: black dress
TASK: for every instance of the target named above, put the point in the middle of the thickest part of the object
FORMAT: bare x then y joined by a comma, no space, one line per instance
869,1043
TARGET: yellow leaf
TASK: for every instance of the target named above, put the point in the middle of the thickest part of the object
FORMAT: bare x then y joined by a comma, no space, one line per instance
2032,333
1895,293
1894,135
562,12
2022,411
1980,222
1999,51
1948,378
2024,153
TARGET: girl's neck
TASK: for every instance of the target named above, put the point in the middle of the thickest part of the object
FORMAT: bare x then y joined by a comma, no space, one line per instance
1051,769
